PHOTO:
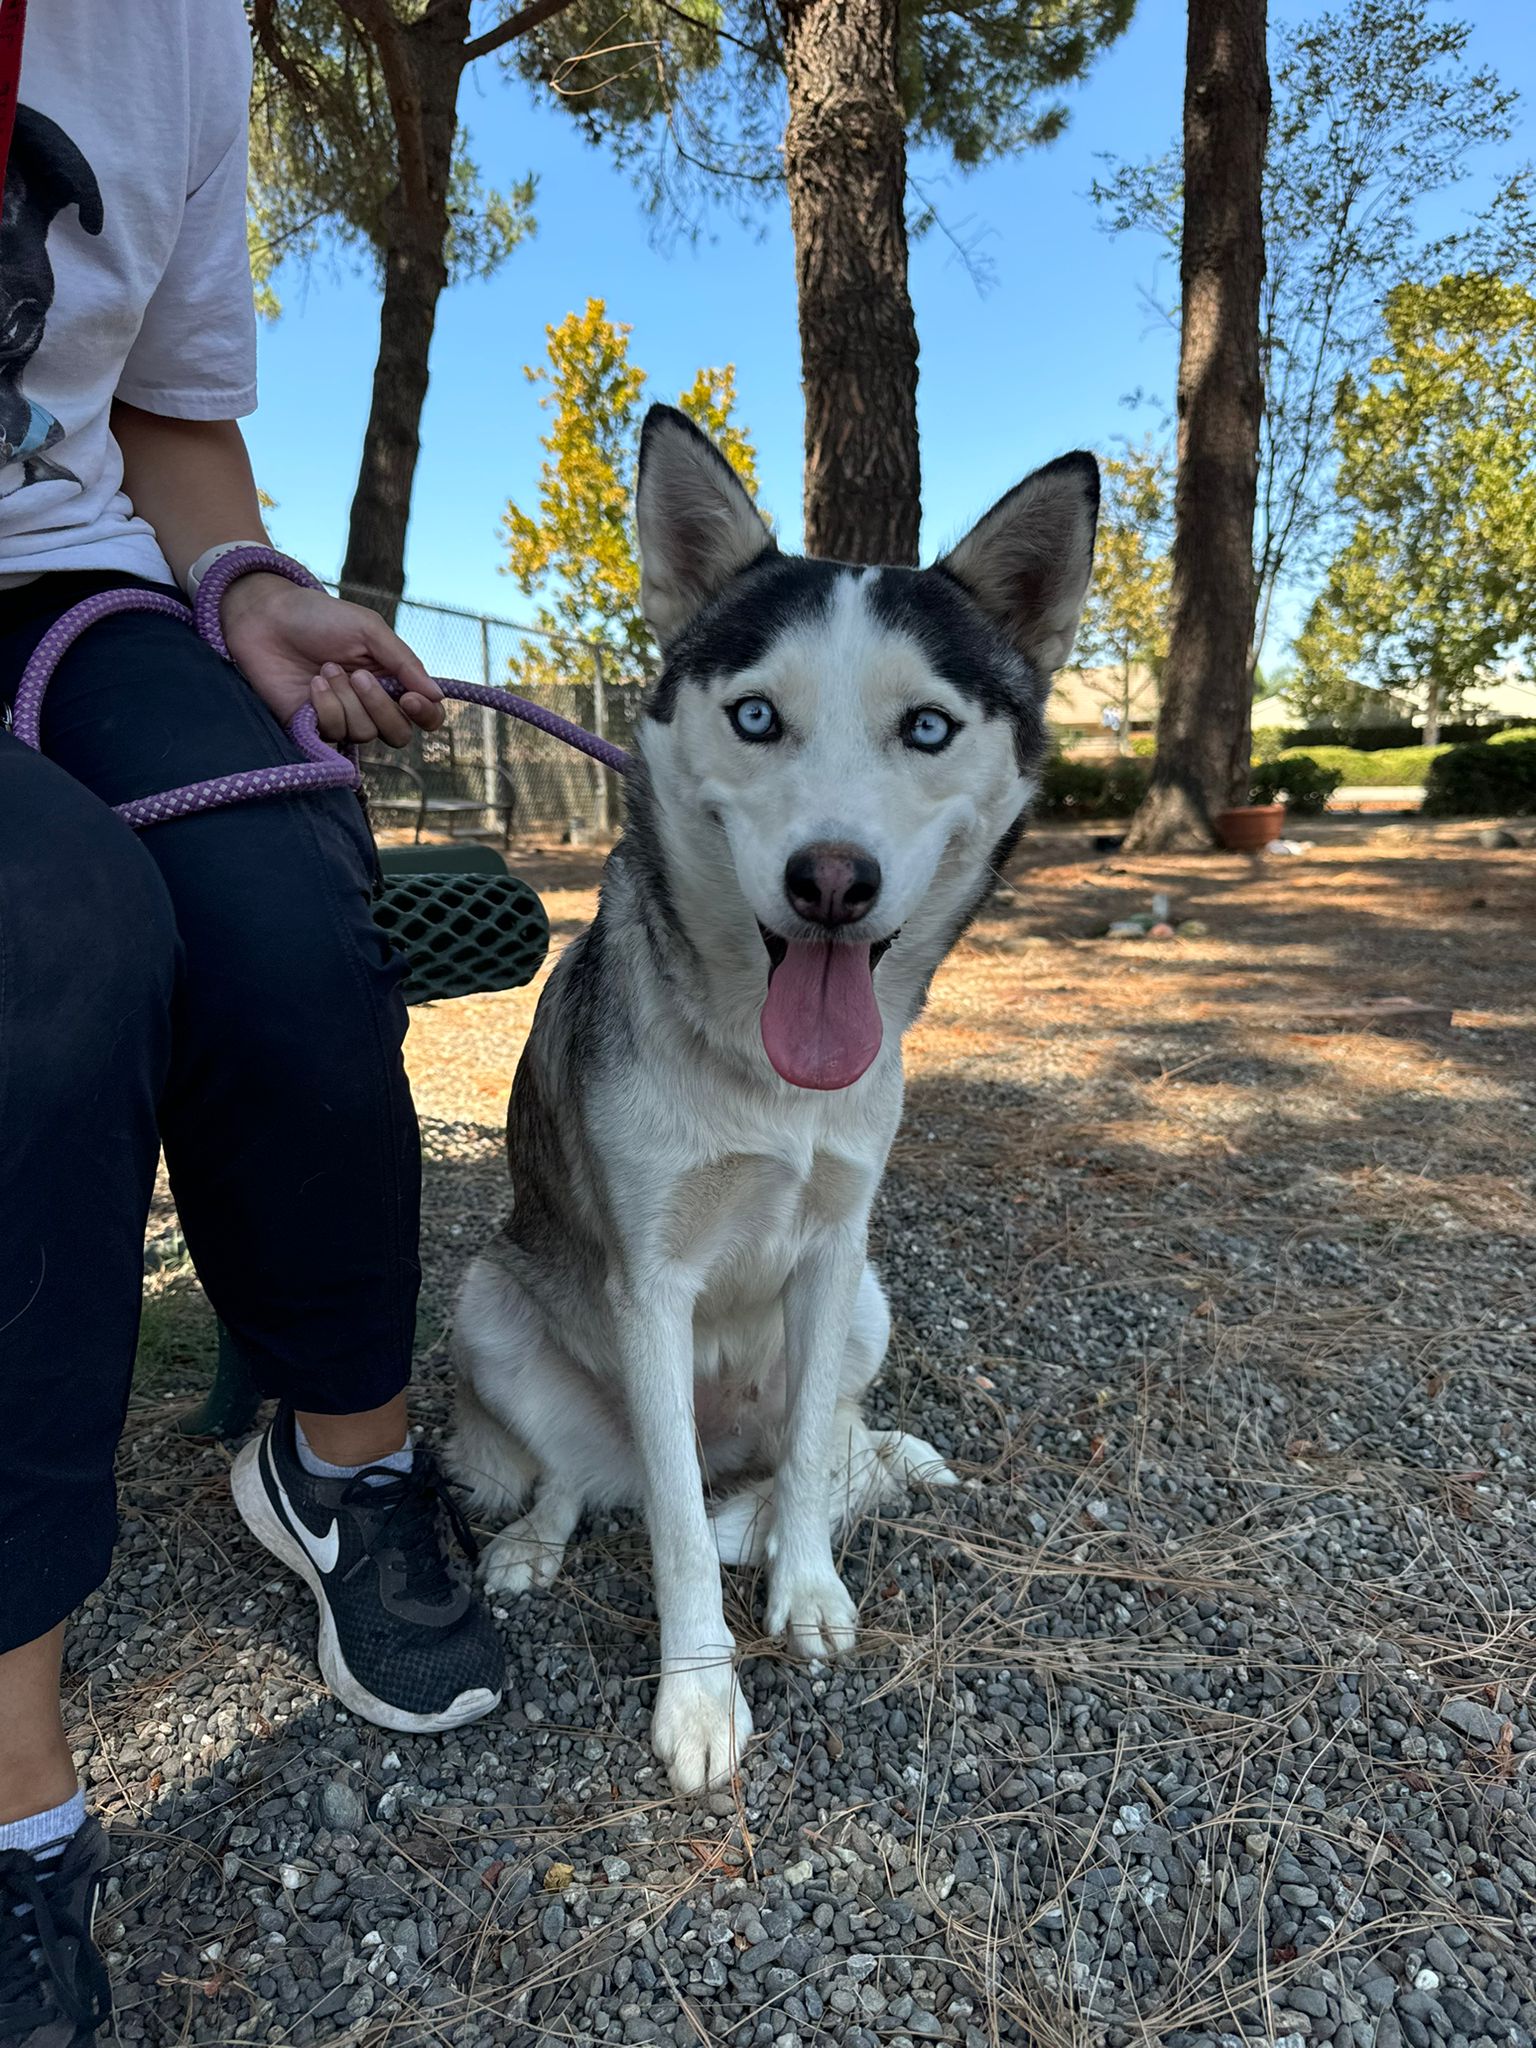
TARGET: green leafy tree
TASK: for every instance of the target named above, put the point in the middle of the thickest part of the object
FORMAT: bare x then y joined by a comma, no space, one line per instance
1375,108
824,99
1436,583
575,551
356,142
1125,620
1326,681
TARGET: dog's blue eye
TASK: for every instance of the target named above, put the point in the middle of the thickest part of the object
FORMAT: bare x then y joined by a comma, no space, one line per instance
755,719
928,730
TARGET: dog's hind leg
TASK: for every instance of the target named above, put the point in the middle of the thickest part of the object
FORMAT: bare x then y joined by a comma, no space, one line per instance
494,1468
868,1465
741,1522
874,1464
500,1473
871,1466
527,1555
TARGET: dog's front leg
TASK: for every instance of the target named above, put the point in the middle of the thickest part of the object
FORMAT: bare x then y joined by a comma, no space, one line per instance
806,1598
701,1722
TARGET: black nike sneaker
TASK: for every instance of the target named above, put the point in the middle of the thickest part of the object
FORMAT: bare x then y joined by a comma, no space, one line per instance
405,1640
53,1983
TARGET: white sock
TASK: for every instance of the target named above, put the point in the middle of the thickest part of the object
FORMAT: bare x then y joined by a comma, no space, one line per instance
397,1461
45,1834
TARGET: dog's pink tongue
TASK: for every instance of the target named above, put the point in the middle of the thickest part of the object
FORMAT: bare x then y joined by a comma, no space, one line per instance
821,1023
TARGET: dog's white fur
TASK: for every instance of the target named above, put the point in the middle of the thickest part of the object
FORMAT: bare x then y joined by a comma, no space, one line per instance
726,1322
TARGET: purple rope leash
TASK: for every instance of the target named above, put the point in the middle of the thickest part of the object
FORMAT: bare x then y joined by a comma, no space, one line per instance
322,767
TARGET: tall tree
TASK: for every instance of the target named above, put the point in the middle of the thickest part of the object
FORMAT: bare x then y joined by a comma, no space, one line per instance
575,550
1125,617
356,135
1375,108
825,97
1437,471
845,164
1203,727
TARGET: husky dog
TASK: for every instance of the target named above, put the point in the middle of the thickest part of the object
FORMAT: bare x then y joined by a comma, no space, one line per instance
830,768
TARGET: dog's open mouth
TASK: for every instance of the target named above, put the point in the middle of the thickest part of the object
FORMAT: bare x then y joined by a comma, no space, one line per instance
820,1023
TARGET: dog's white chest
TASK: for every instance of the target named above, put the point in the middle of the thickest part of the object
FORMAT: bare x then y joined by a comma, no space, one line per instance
738,1224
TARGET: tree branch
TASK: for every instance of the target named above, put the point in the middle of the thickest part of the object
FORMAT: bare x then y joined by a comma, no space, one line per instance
269,39
753,50
377,20
526,19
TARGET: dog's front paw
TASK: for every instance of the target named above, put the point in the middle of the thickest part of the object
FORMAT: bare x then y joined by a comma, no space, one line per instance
700,1727
815,1616
522,1559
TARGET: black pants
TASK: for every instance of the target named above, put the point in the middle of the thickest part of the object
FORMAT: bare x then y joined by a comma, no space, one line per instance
216,985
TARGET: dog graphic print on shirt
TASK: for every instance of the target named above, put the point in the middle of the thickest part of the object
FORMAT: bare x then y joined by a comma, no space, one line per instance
46,174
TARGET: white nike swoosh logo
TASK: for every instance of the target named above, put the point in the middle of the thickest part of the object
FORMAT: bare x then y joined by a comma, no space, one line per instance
323,1549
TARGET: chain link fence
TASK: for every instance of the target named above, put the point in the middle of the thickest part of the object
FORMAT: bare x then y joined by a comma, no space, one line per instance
485,773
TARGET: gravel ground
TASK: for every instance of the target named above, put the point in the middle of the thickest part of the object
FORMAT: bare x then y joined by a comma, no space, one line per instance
1203,1714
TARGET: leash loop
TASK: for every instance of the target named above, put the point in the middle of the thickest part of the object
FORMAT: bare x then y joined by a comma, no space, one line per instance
323,767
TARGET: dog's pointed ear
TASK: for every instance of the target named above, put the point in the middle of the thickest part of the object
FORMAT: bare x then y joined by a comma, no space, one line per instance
1027,562
696,525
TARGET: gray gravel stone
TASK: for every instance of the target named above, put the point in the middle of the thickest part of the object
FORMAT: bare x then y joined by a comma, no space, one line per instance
341,1809
1471,1717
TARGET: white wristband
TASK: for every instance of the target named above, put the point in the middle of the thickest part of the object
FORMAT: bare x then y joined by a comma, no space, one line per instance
209,556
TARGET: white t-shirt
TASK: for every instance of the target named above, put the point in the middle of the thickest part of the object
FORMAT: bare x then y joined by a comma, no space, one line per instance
123,263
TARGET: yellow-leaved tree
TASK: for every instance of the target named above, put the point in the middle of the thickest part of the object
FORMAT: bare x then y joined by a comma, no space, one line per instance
575,551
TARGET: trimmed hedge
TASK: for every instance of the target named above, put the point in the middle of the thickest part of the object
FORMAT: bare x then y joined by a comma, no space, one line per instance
1303,784
1401,732
1385,767
1091,789
1484,780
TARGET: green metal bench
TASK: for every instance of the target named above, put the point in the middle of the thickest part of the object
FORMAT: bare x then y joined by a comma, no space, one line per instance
467,927
443,793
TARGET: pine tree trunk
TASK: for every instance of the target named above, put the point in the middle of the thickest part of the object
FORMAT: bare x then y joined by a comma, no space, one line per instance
415,276
1204,727
374,569
845,166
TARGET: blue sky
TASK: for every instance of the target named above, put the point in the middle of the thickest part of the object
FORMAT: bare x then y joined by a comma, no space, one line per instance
1040,362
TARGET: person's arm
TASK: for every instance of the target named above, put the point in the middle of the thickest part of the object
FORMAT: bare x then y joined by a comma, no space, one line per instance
192,481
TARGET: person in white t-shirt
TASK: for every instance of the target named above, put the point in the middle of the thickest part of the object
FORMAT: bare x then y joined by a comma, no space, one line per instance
215,985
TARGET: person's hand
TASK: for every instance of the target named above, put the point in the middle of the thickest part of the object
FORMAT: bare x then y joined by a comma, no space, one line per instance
297,647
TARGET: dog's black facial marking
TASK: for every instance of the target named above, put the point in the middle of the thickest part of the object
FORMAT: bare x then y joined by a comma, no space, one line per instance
641,849
731,635
778,592
934,609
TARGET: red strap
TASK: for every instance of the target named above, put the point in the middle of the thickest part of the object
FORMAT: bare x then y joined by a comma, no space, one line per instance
13,22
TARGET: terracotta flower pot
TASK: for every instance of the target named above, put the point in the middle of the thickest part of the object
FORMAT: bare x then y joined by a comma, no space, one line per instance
1249,827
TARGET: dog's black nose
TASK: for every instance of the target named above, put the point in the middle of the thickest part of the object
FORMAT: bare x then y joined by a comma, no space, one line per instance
832,884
